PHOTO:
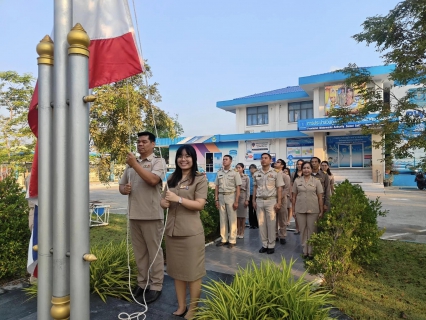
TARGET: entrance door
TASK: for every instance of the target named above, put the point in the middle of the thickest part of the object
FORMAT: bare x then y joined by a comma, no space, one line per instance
209,162
351,155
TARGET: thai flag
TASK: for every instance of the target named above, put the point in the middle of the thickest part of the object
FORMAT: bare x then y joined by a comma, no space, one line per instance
113,57
113,53
33,255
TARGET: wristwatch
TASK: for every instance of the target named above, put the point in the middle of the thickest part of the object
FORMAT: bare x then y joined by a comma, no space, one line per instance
180,200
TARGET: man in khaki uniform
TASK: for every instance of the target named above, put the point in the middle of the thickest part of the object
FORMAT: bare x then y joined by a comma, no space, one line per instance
142,182
283,218
325,181
226,196
267,188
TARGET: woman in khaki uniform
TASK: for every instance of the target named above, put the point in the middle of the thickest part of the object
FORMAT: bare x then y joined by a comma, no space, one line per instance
185,242
308,205
243,201
297,173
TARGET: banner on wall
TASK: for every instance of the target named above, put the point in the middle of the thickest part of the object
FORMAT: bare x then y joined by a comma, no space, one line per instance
254,149
339,96
300,148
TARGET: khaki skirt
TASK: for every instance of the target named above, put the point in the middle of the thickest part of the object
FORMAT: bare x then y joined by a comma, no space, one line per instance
185,257
242,211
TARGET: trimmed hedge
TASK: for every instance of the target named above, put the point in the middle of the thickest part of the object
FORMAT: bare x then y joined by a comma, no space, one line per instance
14,231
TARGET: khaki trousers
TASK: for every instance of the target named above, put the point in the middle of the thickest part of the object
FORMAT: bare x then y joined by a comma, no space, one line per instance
267,221
282,218
228,218
146,238
307,226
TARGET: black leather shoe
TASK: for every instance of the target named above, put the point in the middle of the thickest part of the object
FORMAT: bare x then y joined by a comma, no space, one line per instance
152,296
276,239
138,291
231,245
283,241
263,250
270,250
220,244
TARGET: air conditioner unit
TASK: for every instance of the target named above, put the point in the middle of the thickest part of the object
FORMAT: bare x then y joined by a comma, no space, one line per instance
249,131
265,130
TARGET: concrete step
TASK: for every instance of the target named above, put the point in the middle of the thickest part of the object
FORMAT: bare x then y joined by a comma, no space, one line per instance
353,175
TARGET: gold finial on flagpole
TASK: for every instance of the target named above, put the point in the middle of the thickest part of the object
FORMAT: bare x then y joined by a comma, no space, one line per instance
45,51
78,40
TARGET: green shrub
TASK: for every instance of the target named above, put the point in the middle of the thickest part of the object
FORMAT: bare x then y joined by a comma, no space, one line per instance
349,236
266,292
109,275
14,232
210,217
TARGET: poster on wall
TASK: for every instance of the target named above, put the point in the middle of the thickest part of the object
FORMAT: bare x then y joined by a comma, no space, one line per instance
339,96
349,151
300,148
254,149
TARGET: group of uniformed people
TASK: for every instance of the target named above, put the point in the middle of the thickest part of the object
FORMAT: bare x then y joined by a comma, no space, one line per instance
273,194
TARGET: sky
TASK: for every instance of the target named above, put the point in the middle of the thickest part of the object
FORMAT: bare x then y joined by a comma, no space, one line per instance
202,52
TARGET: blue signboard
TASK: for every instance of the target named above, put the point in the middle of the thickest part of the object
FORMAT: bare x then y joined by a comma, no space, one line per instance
331,123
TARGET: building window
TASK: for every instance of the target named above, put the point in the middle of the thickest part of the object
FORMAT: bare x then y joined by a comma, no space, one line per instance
300,110
257,115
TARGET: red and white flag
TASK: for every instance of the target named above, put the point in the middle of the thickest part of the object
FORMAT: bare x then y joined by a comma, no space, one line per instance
113,53
113,56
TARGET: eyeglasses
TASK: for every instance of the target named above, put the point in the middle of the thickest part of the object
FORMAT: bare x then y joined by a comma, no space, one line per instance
184,156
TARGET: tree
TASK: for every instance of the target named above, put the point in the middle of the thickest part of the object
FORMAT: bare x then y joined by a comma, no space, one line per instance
16,140
400,122
120,111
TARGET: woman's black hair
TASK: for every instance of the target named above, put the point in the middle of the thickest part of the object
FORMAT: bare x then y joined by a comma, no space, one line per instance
289,171
177,175
295,170
241,165
328,169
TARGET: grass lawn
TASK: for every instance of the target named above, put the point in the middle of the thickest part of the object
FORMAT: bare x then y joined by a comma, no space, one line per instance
115,232
393,288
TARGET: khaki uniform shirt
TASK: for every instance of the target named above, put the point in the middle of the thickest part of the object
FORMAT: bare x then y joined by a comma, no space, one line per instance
325,182
245,186
287,186
307,195
144,200
227,180
182,222
267,183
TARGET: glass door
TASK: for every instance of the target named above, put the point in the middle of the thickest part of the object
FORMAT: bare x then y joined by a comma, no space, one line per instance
351,155
209,162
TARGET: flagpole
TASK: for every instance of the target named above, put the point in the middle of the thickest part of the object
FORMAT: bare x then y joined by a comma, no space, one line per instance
45,77
79,172
61,286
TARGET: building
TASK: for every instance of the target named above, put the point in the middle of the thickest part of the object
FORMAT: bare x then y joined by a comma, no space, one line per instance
291,123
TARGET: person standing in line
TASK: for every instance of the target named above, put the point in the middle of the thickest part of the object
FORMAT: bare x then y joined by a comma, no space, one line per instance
243,201
252,212
185,241
326,169
142,182
268,189
287,171
308,205
297,173
283,217
323,178
226,196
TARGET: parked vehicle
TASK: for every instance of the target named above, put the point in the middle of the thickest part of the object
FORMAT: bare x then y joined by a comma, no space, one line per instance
420,180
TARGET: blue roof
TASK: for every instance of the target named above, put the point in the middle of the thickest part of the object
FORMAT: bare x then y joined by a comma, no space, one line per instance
274,92
340,76
288,93
165,142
